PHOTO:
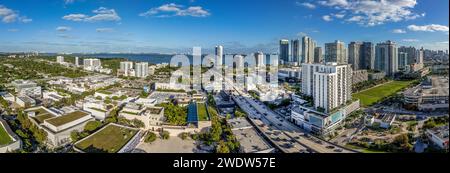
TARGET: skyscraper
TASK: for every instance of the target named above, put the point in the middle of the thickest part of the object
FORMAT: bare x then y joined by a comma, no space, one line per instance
368,56
419,57
295,50
126,67
219,55
336,52
412,54
92,64
284,51
142,69
77,61
355,54
260,59
329,84
402,60
318,55
386,59
308,46
60,59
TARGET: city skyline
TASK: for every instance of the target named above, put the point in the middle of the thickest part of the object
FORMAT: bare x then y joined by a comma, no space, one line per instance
81,26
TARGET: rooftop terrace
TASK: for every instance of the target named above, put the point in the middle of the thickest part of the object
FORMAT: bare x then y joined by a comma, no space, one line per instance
58,121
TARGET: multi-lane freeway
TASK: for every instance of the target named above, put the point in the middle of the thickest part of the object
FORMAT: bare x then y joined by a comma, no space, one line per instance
292,137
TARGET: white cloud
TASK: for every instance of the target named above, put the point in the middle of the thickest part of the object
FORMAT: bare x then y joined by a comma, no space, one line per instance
375,12
398,31
327,18
9,16
101,14
172,9
410,40
306,4
443,42
104,30
63,28
301,34
339,16
429,28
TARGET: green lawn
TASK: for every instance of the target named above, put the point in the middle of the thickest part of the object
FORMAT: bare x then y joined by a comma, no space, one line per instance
4,136
109,140
201,112
375,94
363,150
67,118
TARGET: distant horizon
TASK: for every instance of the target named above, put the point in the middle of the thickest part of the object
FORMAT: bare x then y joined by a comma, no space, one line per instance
171,27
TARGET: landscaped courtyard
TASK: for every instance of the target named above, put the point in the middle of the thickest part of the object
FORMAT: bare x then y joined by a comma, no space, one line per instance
108,140
375,94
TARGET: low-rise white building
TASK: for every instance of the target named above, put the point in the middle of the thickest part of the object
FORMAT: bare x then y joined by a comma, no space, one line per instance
384,120
8,96
52,95
25,101
152,117
98,108
439,136
58,126
317,121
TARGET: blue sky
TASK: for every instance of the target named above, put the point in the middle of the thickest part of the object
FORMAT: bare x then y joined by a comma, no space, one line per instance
243,26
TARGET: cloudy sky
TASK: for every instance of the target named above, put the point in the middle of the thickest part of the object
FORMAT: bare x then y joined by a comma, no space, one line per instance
161,26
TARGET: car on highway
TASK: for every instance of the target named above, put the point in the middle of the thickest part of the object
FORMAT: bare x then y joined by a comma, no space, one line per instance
330,147
338,150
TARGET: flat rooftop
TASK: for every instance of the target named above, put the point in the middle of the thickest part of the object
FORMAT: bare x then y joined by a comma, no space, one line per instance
239,123
248,137
109,139
41,115
155,110
385,117
61,120
441,132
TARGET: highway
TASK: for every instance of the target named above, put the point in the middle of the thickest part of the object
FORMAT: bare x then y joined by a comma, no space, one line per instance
276,123
280,131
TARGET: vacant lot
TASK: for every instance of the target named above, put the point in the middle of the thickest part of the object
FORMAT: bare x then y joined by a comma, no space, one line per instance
375,94
108,140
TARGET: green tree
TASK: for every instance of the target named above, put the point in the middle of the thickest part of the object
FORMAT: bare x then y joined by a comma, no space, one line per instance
165,135
74,136
150,137
92,126
137,123
222,148
184,135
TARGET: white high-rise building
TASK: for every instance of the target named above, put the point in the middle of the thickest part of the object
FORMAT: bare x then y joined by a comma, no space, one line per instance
77,61
308,46
60,59
260,60
329,84
219,55
142,69
92,64
126,68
